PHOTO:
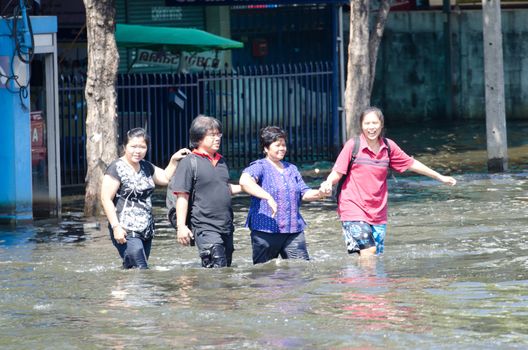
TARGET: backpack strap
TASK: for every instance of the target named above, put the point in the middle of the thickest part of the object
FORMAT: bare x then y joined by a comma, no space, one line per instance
355,151
386,142
170,199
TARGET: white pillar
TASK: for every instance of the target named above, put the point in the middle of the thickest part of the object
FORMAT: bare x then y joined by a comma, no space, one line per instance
496,135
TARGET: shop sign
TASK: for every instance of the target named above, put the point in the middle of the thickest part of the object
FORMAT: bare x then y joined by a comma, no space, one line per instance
161,13
192,62
158,58
208,60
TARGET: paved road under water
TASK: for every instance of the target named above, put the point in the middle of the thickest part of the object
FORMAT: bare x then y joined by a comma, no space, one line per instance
454,275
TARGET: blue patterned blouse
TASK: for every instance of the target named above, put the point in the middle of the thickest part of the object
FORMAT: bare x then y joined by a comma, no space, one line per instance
287,188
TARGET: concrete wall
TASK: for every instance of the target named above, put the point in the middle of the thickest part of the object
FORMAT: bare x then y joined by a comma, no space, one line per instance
411,74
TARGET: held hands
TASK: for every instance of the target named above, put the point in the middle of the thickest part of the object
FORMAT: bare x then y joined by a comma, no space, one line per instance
184,235
315,194
322,193
176,157
326,188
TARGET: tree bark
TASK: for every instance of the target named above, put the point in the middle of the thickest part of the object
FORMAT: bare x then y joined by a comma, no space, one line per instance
358,69
362,57
375,38
101,115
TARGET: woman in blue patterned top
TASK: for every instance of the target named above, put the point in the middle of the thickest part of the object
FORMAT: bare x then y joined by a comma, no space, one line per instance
277,188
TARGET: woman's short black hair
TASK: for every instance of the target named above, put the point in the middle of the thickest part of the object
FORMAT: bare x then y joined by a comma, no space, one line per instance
136,132
200,126
270,134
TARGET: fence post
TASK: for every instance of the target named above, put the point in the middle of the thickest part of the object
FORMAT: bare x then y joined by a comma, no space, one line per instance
336,36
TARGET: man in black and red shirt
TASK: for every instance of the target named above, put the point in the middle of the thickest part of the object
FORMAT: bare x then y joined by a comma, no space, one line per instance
207,181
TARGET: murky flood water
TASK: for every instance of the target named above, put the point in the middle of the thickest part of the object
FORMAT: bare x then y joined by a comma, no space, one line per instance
454,275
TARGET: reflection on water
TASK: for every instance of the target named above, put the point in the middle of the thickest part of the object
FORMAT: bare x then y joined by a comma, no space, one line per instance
367,298
454,275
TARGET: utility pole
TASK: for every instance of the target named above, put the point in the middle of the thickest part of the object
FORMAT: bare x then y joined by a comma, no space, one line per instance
496,135
446,8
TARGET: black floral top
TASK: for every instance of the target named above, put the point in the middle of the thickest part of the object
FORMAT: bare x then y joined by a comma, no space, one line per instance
133,198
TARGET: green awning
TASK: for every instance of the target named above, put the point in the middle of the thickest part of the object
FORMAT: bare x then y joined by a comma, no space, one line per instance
171,39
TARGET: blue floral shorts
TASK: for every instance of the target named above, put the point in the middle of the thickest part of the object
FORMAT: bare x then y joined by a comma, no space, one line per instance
361,235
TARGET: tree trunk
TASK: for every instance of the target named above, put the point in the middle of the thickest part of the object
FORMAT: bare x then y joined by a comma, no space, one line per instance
101,115
362,56
357,95
375,38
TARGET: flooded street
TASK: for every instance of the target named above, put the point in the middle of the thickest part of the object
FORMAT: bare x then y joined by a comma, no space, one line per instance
454,274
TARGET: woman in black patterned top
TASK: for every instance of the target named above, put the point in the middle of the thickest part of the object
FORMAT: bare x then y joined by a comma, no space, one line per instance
126,197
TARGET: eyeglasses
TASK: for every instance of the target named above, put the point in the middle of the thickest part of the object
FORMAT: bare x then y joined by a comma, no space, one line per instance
214,135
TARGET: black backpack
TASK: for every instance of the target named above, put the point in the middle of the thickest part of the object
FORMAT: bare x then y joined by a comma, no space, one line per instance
352,159
171,199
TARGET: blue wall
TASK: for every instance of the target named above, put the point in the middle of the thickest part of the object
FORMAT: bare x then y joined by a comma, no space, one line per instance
16,193
15,142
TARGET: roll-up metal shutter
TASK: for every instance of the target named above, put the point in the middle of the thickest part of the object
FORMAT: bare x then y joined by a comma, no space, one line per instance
155,13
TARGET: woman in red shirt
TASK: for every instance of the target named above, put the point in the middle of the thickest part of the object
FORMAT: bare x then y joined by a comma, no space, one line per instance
362,204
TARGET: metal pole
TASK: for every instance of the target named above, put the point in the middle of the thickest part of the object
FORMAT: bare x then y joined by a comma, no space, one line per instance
342,75
496,135
448,64
338,81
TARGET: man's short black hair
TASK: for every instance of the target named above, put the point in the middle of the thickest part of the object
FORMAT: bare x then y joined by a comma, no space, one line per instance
200,126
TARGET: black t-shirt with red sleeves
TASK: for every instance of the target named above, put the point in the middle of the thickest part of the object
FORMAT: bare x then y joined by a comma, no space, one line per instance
211,208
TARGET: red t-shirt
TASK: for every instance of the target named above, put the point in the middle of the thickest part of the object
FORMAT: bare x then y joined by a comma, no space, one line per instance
364,193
